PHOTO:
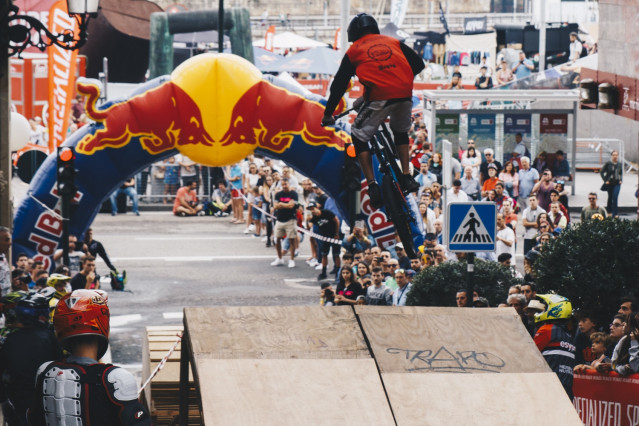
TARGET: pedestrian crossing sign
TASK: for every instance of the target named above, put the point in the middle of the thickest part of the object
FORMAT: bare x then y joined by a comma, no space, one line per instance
472,226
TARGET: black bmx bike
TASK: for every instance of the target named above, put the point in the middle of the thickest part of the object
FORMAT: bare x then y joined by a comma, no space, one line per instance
395,202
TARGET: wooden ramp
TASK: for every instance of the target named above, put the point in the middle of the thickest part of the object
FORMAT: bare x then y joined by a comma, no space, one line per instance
284,366
370,365
444,366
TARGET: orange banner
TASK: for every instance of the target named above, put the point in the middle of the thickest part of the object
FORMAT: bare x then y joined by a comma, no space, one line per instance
268,38
336,42
62,65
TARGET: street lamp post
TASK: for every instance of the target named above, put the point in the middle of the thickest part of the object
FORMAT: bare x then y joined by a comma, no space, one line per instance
17,32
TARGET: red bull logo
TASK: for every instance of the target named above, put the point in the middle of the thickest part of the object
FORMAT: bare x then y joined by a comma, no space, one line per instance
216,110
257,119
179,122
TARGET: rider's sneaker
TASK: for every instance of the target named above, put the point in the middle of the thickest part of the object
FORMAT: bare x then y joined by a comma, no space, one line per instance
375,195
408,183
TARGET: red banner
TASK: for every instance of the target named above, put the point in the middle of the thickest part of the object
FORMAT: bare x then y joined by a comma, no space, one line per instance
603,400
61,71
553,124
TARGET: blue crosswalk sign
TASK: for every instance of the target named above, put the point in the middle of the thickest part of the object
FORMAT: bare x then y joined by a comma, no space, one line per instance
472,226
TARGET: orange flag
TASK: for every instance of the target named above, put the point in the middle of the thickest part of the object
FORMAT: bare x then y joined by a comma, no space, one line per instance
268,38
61,73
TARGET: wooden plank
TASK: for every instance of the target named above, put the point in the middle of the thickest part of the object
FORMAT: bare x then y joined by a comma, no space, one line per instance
161,346
170,373
479,399
164,338
274,331
158,355
430,340
292,392
151,328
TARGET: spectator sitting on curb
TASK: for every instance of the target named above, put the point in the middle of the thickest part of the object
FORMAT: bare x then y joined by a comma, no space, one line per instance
186,201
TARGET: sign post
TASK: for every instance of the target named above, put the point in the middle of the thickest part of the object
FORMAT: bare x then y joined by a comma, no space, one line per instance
471,227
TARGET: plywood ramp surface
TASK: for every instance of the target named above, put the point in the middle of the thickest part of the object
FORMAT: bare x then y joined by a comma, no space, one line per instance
479,399
461,340
275,332
292,392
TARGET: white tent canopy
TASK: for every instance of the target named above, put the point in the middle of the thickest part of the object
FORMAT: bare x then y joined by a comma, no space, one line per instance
289,40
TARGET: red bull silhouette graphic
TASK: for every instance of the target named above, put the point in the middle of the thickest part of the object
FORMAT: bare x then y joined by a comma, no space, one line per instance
257,119
178,123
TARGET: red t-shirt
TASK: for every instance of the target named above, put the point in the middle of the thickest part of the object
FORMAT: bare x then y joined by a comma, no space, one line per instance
189,195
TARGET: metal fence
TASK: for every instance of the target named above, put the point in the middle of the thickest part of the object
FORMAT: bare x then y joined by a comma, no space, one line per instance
593,153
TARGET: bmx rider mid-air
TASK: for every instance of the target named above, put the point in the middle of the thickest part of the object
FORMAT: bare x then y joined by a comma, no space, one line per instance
386,68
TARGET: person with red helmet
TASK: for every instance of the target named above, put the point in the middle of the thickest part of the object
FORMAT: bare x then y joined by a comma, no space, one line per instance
80,390
386,68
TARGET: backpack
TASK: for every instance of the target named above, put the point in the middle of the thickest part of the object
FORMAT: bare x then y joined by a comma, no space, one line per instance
584,51
118,280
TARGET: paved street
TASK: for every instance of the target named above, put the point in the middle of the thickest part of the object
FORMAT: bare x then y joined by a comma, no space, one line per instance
175,262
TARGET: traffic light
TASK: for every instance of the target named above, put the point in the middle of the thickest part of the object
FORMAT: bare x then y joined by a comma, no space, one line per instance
66,172
351,173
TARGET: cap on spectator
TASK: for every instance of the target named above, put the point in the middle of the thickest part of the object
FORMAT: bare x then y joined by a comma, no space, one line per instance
399,245
423,159
492,166
504,257
311,205
532,255
481,302
535,305
430,236
574,34
410,273
457,182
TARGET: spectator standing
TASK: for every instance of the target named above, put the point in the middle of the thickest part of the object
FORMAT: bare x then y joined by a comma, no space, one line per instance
523,68
284,204
557,219
575,47
403,287
171,179
527,178
358,239
529,220
543,188
425,178
625,357
455,194
561,168
504,74
128,189
267,220
612,175
435,166
378,293
592,209
554,197
428,219
186,203
519,150
470,184
328,227
5,266
75,257
490,159
473,160
510,177
491,181
505,238
235,178
188,169
95,248
86,278
348,288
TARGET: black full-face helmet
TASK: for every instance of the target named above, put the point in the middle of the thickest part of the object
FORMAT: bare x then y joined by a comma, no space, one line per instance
362,24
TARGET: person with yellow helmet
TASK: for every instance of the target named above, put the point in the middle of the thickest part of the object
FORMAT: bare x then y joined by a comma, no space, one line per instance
553,338
58,282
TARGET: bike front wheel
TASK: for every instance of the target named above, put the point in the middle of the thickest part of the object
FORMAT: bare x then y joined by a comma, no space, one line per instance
399,211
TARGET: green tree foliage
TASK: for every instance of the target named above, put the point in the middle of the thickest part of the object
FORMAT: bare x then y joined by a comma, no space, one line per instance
437,285
594,264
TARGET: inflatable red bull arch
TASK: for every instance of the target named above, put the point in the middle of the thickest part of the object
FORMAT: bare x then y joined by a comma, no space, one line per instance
214,108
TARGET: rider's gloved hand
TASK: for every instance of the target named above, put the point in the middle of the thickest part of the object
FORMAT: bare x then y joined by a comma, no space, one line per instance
328,121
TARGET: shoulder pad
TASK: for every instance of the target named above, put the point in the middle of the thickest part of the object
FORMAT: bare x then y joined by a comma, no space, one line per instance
43,367
122,385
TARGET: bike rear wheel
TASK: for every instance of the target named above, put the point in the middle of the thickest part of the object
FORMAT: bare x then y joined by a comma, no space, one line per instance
399,213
